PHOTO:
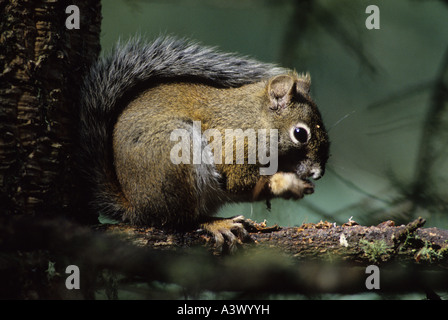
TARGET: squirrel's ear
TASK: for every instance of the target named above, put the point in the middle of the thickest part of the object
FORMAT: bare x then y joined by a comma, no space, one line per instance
304,83
281,89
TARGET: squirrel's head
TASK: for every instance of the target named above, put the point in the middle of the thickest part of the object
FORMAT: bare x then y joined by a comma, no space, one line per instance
303,145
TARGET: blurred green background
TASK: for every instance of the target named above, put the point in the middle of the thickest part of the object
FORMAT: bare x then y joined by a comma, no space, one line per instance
382,93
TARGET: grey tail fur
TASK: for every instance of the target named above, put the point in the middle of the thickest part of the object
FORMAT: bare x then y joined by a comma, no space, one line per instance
129,67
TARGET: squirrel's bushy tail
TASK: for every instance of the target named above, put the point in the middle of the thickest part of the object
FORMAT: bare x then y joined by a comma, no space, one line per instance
124,70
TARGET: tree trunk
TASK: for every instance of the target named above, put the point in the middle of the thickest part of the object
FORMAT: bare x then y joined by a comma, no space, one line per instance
42,65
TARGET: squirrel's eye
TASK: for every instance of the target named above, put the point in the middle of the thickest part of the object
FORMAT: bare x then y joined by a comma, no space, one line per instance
300,134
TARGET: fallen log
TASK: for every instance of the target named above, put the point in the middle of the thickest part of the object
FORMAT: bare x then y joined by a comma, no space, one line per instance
309,259
324,241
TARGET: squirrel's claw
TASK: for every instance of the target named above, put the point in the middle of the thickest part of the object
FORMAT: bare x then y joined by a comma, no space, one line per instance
227,233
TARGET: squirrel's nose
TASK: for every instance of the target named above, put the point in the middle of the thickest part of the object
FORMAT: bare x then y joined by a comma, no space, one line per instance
316,173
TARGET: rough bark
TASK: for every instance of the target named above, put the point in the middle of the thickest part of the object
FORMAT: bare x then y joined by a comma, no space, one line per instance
41,70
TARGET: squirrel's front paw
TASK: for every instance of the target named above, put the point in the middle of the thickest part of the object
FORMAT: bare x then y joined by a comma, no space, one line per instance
227,232
289,185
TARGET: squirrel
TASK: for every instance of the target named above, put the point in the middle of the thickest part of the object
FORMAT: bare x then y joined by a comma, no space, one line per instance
135,98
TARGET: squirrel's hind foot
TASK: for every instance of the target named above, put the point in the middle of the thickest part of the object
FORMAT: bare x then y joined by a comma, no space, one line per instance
227,233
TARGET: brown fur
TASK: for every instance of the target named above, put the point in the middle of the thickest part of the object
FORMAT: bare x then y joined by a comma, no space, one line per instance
161,193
